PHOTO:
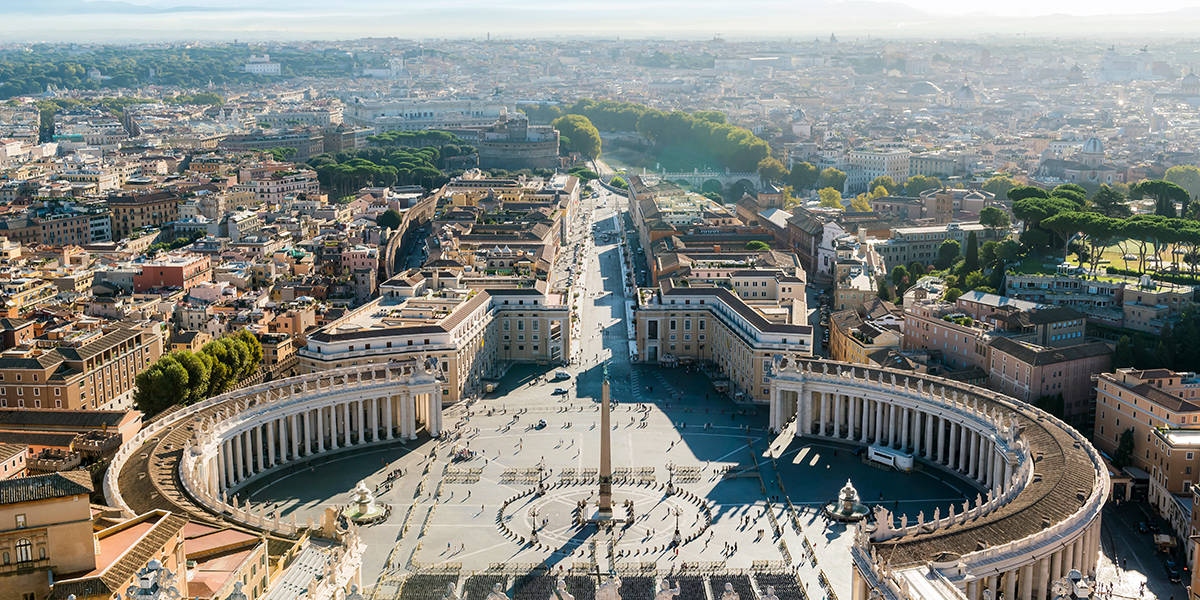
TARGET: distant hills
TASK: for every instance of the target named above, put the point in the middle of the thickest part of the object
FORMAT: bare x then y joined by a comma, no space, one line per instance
94,7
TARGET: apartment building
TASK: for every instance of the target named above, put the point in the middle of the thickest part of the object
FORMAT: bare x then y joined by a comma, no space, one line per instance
45,529
181,271
275,187
1145,305
715,326
920,244
471,332
98,374
862,166
860,335
1161,408
133,212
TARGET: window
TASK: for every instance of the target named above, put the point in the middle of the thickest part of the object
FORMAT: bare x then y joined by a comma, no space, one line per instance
20,521
24,550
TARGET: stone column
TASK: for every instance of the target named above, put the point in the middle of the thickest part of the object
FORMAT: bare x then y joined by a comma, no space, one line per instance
878,423
271,443
928,418
973,589
258,448
964,448
1056,565
295,437
865,417
308,433
837,415
773,424
374,419
1043,577
953,447
346,424
320,430
229,472
904,435
387,416
941,440
1026,582
824,413
974,461
238,464
1010,585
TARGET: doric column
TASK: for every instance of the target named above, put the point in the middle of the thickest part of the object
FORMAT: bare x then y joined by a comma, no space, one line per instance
865,417
237,458
837,415
1043,577
928,418
774,424
973,469
258,449
851,417
964,448
904,435
1010,585
387,416
227,457
345,406
1026,582
320,430
270,458
824,413
941,440
954,449
973,589
295,438
1056,565
891,425
374,419
878,423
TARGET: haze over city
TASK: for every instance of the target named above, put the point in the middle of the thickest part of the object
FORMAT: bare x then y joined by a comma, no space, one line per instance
599,300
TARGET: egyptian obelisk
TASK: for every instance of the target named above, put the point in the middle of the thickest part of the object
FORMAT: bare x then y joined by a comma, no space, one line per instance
605,504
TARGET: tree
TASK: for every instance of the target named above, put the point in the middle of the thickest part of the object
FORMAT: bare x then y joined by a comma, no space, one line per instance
619,182
1124,452
951,295
1110,203
900,278
1051,403
585,138
1022,192
920,183
1071,192
886,182
832,178
389,219
1164,193
917,270
712,186
860,203
803,176
994,218
947,253
972,256
757,245
770,169
999,185
1125,353
1186,177
830,198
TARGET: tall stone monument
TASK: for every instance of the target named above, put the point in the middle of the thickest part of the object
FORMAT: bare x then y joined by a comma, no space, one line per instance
605,503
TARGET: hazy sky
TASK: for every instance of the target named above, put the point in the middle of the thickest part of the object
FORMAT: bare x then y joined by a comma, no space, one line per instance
1026,8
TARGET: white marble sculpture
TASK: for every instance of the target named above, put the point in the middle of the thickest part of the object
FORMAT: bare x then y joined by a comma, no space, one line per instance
770,593
560,591
496,593
666,593
608,589
729,594
451,594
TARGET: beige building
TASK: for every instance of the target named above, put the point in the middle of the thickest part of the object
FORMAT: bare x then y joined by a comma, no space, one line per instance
857,335
121,551
1162,408
715,326
45,529
471,332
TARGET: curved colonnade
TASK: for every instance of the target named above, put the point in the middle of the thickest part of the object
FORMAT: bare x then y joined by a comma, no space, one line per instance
1041,484
241,436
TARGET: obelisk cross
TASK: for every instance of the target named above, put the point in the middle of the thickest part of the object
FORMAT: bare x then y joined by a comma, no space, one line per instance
605,504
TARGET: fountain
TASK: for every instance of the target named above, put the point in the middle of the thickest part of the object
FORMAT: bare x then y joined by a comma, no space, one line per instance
847,508
364,508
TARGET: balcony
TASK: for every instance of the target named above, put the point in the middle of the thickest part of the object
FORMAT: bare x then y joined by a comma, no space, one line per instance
23,567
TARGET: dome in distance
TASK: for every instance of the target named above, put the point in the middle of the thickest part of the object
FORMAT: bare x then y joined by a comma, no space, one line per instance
1093,145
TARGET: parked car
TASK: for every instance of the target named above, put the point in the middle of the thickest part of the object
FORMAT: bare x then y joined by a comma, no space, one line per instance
541,424
560,391
561,375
